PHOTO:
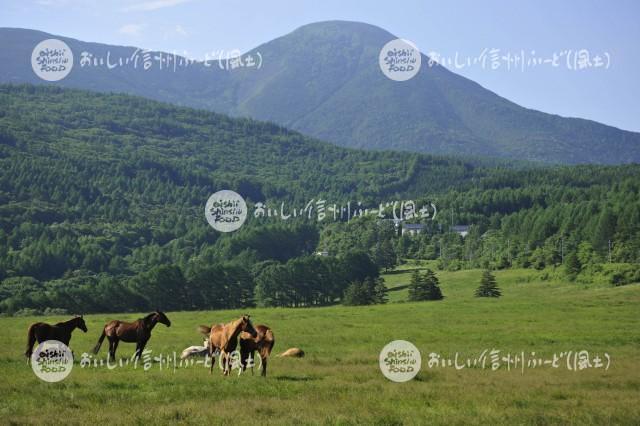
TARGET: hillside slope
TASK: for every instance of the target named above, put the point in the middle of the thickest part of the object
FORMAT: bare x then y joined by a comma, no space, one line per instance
323,80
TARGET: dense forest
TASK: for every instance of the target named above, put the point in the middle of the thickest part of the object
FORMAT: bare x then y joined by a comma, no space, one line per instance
102,209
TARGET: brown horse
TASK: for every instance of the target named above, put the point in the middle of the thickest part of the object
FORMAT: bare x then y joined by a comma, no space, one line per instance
61,331
138,331
263,343
224,338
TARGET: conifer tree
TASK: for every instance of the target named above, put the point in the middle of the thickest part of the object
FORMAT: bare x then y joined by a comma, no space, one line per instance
488,286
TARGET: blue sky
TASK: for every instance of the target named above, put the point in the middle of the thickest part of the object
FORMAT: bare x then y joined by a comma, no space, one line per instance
463,28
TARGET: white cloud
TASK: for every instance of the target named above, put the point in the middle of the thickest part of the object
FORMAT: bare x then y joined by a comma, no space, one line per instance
53,3
181,31
153,5
131,30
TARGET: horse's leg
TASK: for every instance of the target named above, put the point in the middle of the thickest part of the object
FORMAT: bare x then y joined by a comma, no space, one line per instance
264,365
136,354
244,356
111,353
115,347
228,364
140,347
212,358
224,359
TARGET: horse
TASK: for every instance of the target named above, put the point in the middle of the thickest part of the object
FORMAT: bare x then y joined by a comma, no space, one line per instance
61,331
263,343
138,331
293,353
224,337
193,351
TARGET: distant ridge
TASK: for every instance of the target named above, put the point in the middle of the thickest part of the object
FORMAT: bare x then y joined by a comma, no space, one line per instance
323,80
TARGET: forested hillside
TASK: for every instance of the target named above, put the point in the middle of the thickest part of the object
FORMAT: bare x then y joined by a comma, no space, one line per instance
102,209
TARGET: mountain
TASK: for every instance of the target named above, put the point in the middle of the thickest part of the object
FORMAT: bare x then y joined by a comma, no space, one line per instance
323,80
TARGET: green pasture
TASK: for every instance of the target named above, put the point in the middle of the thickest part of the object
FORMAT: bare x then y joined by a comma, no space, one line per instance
339,381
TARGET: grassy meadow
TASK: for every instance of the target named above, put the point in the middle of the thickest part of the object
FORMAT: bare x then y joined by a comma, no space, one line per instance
339,381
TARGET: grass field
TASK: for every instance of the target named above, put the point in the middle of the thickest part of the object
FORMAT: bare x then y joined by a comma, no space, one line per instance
339,381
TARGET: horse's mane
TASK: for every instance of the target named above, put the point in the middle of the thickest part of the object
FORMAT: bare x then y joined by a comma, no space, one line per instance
148,317
67,321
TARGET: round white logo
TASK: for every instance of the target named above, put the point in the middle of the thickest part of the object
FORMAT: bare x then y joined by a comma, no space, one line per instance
52,59
400,60
400,361
226,211
52,361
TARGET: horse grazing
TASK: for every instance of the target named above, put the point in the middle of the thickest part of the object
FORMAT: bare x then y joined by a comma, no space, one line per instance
61,331
224,337
263,343
138,331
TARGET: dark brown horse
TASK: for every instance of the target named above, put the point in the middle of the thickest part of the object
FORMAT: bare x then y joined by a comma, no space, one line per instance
224,338
263,343
61,331
138,331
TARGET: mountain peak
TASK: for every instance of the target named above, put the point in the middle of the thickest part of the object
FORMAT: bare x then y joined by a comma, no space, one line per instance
323,79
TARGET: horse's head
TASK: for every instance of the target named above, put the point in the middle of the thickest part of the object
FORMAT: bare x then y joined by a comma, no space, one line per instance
80,323
162,318
247,326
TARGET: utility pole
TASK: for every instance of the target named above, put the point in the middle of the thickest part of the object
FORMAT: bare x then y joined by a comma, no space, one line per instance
562,248
451,218
609,251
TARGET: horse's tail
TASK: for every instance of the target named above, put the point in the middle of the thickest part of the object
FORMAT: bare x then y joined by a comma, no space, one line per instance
96,348
31,339
204,330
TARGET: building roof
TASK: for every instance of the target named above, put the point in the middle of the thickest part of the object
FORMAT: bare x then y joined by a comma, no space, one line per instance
413,226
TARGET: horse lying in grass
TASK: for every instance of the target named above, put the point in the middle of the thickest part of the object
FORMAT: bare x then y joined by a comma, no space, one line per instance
61,331
193,351
263,343
138,331
292,353
224,338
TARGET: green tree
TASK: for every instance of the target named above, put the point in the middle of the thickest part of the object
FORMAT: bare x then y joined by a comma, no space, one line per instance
163,287
424,286
586,254
380,291
384,255
417,287
488,286
572,265
432,286
604,232
357,293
